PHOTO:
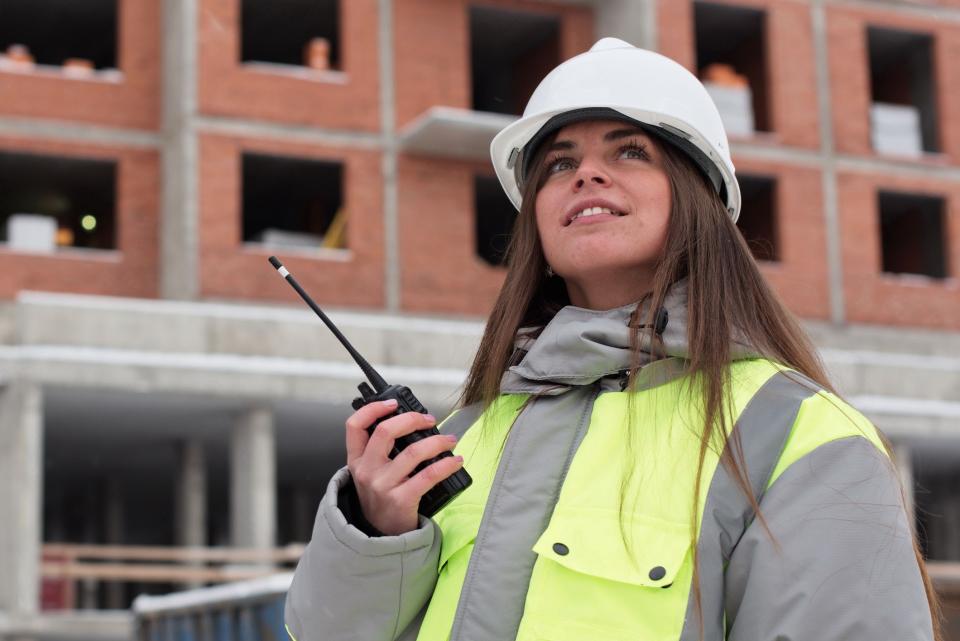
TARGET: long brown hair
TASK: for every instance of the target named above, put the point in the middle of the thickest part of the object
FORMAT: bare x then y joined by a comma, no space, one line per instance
727,296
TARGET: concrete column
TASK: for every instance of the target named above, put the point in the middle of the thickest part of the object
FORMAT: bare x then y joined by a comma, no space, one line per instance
388,165
630,20
828,181
179,234
191,499
21,496
253,508
903,454
114,531
92,501
190,502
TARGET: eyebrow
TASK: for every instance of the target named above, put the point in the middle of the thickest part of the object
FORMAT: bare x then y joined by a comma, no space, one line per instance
610,136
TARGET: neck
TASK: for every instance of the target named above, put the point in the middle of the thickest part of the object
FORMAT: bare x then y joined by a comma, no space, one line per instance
608,290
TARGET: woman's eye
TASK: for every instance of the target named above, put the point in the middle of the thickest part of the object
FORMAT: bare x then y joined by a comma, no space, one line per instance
635,151
559,165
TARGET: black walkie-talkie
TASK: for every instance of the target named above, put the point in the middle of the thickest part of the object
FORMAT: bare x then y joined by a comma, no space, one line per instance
444,491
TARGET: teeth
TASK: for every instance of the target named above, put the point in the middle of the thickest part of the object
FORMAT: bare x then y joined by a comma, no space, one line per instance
593,211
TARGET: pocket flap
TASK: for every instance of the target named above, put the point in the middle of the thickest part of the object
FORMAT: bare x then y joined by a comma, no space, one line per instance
591,542
459,525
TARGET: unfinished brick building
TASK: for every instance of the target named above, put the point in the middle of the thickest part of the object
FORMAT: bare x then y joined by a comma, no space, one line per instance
162,387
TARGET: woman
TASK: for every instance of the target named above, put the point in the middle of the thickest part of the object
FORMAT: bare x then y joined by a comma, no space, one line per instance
655,449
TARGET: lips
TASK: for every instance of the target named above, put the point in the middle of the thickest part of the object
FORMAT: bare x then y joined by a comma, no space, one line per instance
589,208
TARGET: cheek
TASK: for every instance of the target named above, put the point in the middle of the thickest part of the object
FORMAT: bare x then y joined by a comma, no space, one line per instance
548,239
544,207
661,203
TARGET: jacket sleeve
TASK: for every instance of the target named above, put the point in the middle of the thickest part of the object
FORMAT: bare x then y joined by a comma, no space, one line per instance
845,567
349,586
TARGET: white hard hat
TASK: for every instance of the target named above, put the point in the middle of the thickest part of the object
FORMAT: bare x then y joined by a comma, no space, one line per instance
616,80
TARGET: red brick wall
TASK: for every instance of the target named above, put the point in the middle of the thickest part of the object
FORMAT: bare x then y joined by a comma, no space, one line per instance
790,57
132,270
348,100
440,271
134,102
875,297
850,76
676,37
800,277
230,270
432,62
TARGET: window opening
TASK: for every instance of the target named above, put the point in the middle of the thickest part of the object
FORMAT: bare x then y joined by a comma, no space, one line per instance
731,59
903,114
50,202
494,216
510,53
758,221
293,202
291,32
80,37
912,234
935,468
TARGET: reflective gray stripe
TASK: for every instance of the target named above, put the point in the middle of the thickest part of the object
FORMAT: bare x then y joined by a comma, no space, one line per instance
457,423
864,584
460,421
535,460
763,428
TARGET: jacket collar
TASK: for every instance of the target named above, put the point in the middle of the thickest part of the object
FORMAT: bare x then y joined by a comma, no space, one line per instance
581,346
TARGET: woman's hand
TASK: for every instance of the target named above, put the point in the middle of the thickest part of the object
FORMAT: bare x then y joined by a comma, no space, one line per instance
389,496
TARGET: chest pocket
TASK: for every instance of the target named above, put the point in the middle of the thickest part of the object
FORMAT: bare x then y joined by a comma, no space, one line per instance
587,583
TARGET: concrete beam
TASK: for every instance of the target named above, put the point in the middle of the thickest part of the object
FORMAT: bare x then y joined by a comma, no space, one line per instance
303,134
85,133
21,478
69,626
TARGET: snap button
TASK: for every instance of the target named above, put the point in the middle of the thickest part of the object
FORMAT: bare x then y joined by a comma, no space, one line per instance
561,549
657,573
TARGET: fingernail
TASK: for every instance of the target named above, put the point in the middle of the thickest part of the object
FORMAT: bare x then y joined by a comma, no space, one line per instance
390,402
458,459
431,418
450,437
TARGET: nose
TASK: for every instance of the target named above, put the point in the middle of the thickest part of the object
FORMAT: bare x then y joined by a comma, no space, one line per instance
590,172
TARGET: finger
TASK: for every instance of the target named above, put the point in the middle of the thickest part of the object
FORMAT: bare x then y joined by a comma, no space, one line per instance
410,491
359,421
407,461
381,443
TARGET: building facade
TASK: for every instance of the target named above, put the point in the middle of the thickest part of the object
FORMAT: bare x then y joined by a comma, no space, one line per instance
163,387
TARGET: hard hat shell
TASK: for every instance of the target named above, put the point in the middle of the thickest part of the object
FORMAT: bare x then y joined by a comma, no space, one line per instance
616,79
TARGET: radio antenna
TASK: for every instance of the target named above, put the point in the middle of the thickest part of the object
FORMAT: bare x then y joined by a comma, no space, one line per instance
375,379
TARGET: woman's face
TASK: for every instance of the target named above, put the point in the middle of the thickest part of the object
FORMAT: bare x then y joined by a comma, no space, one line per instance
611,165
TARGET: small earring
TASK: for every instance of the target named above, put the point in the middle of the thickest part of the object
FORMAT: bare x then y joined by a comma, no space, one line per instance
549,271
